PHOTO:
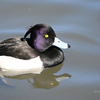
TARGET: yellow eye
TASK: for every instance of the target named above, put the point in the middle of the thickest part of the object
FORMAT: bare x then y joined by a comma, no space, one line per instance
51,83
46,36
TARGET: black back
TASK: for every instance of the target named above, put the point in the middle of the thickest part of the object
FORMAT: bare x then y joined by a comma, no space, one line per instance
17,48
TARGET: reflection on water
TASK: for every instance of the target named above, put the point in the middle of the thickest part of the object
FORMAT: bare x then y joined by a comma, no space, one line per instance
45,80
3,82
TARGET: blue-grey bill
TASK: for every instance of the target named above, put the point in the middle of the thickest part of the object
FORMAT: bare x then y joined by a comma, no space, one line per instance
60,44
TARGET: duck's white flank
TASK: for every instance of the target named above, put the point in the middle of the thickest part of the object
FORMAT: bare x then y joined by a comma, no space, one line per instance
19,66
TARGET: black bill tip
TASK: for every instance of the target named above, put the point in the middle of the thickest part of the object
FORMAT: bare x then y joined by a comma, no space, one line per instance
69,46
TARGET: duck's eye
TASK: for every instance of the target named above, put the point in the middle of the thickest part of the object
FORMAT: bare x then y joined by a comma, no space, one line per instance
46,36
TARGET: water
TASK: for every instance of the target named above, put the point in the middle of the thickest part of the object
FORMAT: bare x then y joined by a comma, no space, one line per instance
75,22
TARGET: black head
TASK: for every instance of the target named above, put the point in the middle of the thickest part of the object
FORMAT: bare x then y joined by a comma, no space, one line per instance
41,37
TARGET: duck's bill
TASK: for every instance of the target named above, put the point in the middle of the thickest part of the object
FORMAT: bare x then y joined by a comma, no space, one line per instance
61,44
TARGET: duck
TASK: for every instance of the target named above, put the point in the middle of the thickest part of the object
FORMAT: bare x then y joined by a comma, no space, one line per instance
22,55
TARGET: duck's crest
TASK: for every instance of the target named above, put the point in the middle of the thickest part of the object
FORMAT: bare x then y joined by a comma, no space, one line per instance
27,33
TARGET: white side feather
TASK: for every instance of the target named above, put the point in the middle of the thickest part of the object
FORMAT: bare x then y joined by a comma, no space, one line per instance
19,66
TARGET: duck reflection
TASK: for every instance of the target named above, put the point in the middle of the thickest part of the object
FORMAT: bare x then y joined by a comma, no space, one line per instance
45,80
4,83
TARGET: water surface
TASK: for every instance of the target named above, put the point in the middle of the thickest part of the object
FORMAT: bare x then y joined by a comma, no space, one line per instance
75,22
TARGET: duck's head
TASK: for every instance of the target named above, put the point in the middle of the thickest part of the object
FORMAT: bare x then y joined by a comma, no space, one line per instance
42,36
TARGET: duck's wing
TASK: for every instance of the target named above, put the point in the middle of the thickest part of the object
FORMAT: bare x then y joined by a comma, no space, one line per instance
16,48
9,41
